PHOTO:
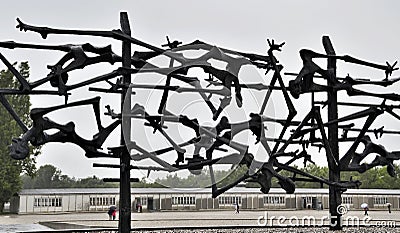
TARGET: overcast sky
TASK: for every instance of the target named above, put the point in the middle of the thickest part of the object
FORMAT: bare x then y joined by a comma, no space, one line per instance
365,29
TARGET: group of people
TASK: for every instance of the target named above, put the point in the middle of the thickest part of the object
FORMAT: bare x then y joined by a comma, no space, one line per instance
389,205
112,213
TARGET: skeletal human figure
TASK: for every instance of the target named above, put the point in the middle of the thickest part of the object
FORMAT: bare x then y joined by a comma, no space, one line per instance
76,57
265,175
175,72
119,35
139,111
254,124
227,77
205,135
214,137
208,137
58,76
260,61
384,158
304,80
37,136
266,171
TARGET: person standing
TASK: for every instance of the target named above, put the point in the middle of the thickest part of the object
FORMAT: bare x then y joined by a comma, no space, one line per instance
110,212
389,205
366,211
114,214
237,208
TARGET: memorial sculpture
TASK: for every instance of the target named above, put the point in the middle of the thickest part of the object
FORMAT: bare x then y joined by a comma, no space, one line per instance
310,131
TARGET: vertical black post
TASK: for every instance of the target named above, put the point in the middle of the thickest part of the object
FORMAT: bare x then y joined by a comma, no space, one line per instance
124,225
335,198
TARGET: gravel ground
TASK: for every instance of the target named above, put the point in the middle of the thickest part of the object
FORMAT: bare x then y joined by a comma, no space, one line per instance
201,219
10,228
284,230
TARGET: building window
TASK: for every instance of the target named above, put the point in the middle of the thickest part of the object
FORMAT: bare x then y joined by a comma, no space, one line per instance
102,201
380,200
47,202
347,200
186,200
274,200
308,199
143,200
229,200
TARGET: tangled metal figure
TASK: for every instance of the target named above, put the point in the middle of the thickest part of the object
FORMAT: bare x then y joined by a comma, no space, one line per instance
211,138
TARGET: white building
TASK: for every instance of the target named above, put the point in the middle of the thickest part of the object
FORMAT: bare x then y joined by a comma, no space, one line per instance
154,199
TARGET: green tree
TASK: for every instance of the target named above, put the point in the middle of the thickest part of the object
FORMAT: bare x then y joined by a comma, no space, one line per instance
48,176
93,182
10,169
319,171
222,177
377,178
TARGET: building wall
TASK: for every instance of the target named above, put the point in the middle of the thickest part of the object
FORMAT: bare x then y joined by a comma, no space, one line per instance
85,202
244,201
290,203
29,204
204,203
22,206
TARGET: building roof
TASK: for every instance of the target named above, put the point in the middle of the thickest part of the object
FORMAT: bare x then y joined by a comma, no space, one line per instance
235,190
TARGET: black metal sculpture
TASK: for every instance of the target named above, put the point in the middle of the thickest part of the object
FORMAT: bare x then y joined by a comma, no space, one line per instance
211,138
19,148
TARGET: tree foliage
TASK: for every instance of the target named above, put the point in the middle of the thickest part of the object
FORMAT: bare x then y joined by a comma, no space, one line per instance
10,169
48,176
373,178
223,177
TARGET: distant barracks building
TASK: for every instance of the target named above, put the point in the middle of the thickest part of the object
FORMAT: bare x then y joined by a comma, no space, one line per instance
158,199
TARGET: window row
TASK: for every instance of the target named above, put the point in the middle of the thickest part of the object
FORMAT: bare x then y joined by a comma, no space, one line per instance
183,200
229,200
274,200
141,200
308,199
47,201
347,200
380,200
102,201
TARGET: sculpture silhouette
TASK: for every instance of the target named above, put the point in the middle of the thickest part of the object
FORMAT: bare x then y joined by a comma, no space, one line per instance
308,131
